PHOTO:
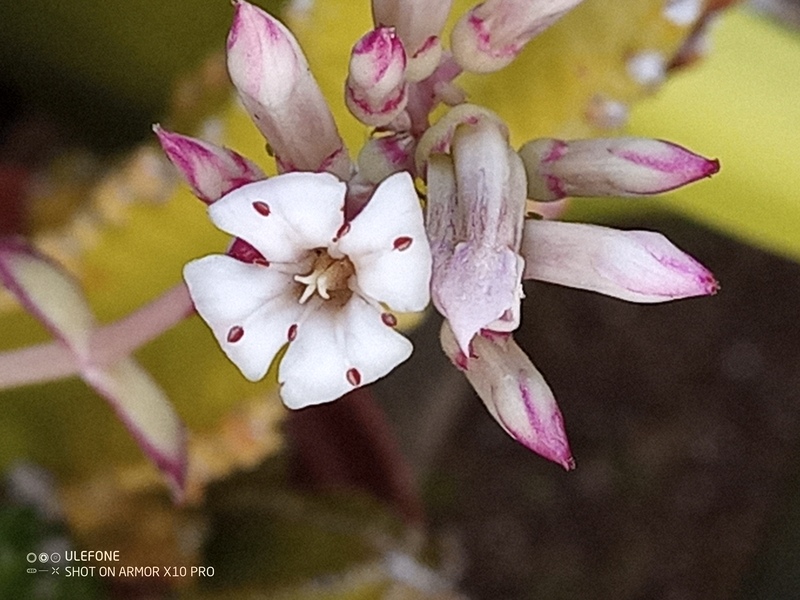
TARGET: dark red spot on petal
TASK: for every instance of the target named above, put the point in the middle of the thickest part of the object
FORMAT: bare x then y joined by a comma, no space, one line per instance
341,232
389,319
353,377
292,333
402,243
235,333
262,208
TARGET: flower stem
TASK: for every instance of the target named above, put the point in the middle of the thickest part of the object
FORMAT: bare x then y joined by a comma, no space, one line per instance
36,364
55,360
122,337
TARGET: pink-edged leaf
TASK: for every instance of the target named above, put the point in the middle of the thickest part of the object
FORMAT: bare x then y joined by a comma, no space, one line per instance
56,299
48,293
146,412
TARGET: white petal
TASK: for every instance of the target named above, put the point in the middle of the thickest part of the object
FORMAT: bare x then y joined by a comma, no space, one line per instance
259,300
284,216
337,350
387,245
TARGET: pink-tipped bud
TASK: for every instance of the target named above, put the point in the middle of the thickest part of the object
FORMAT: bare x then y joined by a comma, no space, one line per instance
375,91
637,266
419,24
609,167
514,392
277,89
438,138
210,170
493,33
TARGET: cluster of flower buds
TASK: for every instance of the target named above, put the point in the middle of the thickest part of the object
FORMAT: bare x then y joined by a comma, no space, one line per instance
481,246
323,253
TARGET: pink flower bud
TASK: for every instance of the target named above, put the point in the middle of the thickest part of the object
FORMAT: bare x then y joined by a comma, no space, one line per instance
609,167
514,392
277,89
439,137
476,203
493,33
211,171
638,266
376,88
419,24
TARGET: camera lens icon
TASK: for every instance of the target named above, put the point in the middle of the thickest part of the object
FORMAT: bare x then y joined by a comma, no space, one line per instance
43,557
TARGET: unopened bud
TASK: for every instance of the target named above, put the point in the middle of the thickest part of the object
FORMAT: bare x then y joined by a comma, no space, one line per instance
210,170
609,167
637,266
482,232
384,156
493,33
376,87
438,138
514,392
419,24
277,89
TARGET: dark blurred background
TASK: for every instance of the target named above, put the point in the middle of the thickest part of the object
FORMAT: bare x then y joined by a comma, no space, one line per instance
684,420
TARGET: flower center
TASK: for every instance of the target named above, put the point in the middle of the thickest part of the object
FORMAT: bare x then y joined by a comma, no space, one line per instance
327,277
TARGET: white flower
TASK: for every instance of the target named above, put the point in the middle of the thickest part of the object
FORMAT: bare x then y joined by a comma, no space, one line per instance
322,285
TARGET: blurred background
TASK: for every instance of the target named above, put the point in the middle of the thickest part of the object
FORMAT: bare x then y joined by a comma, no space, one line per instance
684,418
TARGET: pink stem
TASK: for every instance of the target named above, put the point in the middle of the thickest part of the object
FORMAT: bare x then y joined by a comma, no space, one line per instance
54,360
36,364
122,337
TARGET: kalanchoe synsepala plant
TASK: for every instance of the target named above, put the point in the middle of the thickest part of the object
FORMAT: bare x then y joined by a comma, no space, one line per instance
323,252
478,189
305,269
